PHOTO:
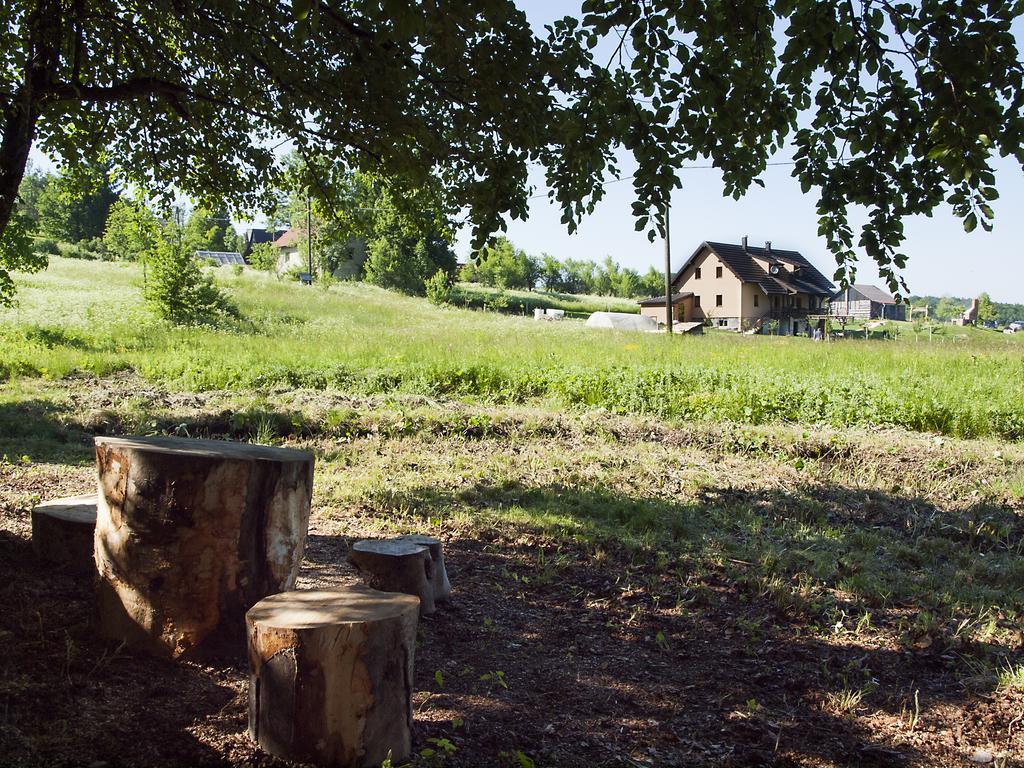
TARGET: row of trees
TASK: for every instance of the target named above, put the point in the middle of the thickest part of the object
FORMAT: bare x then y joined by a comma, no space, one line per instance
503,265
950,307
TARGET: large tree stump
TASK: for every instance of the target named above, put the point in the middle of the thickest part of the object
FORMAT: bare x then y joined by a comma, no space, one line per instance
331,675
397,565
191,533
63,531
442,587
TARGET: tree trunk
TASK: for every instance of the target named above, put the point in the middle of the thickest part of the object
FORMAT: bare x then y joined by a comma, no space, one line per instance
22,111
63,530
331,676
442,587
397,565
192,533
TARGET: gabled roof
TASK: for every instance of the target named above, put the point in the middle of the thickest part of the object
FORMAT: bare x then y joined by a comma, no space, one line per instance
866,292
258,235
287,239
659,301
800,276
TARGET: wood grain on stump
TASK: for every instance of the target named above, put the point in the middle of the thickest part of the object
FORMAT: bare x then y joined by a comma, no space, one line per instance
63,530
331,675
397,565
192,533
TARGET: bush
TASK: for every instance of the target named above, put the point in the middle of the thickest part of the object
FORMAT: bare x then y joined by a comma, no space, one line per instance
47,246
263,257
69,251
237,269
179,292
389,265
439,288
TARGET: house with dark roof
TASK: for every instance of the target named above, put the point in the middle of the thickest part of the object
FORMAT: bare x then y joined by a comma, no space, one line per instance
743,286
867,302
257,235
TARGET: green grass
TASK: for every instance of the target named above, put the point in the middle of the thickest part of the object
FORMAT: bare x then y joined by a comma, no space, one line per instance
88,317
579,306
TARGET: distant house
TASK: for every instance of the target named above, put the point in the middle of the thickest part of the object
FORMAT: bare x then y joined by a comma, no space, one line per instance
867,302
221,258
257,235
348,259
743,286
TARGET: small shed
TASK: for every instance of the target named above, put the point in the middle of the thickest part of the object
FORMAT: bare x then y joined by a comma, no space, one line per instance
622,321
682,308
867,302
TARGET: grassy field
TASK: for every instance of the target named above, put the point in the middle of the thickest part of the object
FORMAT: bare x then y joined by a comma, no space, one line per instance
713,551
88,317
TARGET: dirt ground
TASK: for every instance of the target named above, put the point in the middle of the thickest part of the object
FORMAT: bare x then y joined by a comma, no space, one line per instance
602,660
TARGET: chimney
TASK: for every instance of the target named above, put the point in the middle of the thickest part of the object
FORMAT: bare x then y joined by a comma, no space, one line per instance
768,246
744,243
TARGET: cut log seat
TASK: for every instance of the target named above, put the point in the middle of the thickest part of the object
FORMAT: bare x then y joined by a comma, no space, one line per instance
331,676
192,533
63,530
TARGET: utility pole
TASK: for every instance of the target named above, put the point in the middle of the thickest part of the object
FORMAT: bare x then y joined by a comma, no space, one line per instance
309,239
668,273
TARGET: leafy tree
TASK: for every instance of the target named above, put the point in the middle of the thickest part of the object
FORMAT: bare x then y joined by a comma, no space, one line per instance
209,230
986,310
948,308
132,230
32,186
263,256
652,283
389,265
193,96
503,265
179,291
551,273
67,210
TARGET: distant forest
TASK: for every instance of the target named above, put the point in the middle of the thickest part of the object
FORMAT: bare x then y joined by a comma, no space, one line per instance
948,307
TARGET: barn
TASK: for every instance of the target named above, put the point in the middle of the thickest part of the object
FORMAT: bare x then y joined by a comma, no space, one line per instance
866,302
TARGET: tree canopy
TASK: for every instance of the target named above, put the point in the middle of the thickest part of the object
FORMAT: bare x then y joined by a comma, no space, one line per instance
891,106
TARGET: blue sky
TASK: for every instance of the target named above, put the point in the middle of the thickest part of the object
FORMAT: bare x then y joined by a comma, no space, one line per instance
943,259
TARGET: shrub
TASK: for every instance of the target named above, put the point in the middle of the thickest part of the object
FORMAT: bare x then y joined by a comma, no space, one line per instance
47,246
263,257
389,265
237,269
179,292
439,288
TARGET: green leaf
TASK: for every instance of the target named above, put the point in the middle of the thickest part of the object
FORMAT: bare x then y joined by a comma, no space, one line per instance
970,223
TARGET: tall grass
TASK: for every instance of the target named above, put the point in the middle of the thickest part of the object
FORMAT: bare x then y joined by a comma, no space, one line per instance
88,317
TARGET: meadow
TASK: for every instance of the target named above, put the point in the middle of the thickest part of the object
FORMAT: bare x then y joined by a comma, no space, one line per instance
88,317
710,551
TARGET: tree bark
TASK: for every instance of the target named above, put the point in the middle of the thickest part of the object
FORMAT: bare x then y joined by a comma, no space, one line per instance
397,565
331,676
191,533
63,530
22,111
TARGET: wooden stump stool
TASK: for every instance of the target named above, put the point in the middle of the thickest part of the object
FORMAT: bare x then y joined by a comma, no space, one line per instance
442,587
331,676
192,533
63,530
397,565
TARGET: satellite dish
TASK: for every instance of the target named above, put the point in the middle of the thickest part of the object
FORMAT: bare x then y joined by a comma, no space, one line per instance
774,269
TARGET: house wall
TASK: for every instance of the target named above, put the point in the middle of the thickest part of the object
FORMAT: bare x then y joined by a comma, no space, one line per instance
708,287
682,312
289,258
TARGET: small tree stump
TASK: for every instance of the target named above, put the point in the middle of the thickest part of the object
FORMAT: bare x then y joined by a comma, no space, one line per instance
442,587
396,565
331,675
63,530
192,533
